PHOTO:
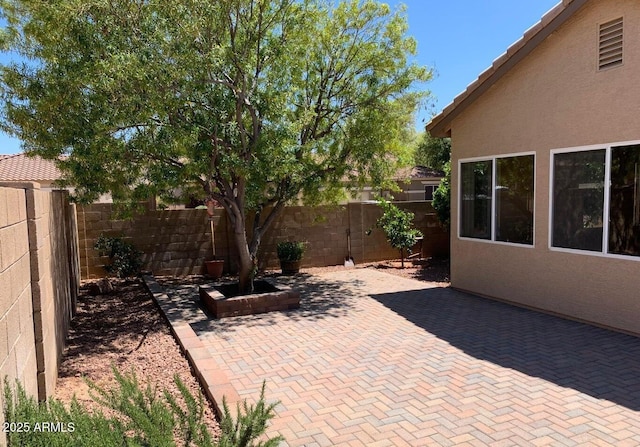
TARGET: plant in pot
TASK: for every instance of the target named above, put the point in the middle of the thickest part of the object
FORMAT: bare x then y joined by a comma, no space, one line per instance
290,256
214,266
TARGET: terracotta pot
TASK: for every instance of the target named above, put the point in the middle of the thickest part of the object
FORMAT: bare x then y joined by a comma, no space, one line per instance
290,267
214,268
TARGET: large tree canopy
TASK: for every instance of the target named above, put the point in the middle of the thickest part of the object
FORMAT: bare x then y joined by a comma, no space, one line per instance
433,152
249,102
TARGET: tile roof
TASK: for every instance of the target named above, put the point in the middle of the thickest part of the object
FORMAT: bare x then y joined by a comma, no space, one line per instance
19,167
418,172
440,125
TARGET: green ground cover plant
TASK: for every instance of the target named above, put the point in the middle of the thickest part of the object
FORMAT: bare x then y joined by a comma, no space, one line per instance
142,417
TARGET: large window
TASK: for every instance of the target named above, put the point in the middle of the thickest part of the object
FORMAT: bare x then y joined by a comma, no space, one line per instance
578,200
496,199
596,200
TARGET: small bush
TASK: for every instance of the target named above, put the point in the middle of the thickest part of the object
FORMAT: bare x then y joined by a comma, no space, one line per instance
442,198
398,227
125,259
143,418
291,251
250,423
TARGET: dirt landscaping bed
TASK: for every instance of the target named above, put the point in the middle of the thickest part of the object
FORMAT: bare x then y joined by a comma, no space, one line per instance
126,330
433,270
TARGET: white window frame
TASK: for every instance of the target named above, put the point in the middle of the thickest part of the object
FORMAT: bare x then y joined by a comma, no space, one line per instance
607,198
424,191
493,159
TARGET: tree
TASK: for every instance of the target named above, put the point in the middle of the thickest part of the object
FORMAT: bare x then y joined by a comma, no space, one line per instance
398,227
442,197
433,152
252,103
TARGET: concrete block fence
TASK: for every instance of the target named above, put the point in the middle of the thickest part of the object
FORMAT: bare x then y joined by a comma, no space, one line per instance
39,278
177,242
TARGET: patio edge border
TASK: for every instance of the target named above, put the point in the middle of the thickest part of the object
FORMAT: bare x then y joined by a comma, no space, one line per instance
212,378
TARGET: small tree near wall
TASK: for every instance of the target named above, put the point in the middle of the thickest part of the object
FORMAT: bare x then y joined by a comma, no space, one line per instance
398,227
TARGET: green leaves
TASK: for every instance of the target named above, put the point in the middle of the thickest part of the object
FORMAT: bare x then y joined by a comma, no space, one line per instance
398,227
433,152
124,257
245,88
139,416
254,103
442,198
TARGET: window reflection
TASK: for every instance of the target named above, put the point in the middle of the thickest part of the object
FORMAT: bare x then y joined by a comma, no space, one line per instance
578,193
514,199
624,201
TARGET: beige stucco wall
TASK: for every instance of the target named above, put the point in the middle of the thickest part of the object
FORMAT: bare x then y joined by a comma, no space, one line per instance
555,98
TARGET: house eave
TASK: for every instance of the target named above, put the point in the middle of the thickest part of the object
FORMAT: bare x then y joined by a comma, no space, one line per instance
440,125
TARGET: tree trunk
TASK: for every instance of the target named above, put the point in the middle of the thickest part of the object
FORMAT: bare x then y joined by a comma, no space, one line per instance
245,260
247,253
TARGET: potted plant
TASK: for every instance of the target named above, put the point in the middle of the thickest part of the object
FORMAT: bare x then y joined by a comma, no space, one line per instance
290,256
214,266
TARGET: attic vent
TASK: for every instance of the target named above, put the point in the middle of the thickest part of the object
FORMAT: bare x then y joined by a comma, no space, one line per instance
610,48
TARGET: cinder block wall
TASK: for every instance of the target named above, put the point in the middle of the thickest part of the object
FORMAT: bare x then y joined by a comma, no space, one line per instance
39,277
17,342
177,242
52,238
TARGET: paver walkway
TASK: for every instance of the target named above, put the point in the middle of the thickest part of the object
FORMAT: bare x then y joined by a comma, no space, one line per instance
372,359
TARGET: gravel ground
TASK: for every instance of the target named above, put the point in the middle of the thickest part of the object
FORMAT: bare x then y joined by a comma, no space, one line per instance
125,329
433,270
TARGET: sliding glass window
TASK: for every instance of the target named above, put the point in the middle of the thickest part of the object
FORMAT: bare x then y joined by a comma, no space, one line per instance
596,200
475,201
496,199
514,199
578,198
624,201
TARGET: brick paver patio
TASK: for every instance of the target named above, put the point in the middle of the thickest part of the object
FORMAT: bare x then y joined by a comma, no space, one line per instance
372,359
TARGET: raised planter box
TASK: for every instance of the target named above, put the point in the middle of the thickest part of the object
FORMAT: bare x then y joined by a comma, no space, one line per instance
269,298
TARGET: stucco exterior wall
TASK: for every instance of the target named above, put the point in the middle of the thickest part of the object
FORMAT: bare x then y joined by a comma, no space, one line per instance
555,98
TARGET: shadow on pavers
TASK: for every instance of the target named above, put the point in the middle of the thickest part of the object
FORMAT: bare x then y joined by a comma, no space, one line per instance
319,299
595,361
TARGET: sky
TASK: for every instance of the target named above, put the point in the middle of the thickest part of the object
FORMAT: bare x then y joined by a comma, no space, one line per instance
459,39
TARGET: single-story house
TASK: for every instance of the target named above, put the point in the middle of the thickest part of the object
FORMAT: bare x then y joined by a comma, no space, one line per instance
20,168
416,183
546,168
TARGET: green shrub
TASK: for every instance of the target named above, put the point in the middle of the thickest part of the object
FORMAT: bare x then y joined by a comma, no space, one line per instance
398,227
291,251
143,418
250,423
442,198
125,259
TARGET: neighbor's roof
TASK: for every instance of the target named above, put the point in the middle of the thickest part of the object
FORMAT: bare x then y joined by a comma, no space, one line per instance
19,167
440,125
418,172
